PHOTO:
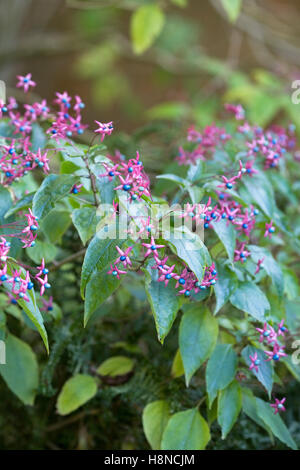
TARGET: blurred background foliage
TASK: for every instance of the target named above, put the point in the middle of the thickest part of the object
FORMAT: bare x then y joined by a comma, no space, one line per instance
153,67
138,60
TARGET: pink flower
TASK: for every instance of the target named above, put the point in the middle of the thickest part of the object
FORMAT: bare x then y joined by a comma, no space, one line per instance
276,354
255,362
268,333
282,330
278,405
104,129
259,265
124,258
47,305
166,274
115,271
269,230
151,247
25,82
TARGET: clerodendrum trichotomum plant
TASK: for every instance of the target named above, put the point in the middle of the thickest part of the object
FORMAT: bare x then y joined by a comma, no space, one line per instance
212,256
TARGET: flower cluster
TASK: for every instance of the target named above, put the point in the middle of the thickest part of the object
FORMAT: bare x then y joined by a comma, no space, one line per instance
206,143
132,178
269,335
19,281
17,156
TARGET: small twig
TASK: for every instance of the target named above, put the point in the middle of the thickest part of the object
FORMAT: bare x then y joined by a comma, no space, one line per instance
73,419
57,265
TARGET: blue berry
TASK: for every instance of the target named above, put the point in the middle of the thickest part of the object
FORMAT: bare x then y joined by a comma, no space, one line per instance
153,247
33,228
3,278
122,258
187,293
168,276
30,285
275,357
114,273
111,173
257,362
47,285
181,281
45,271
126,187
245,225
229,185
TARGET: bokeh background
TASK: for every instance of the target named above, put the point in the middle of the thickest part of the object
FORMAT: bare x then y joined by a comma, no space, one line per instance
199,58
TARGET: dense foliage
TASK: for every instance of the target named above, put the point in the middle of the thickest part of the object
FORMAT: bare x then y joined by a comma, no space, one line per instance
96,254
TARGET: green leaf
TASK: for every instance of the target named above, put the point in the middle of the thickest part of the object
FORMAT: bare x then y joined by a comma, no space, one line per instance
42,250
100,286
114,366
75,393
265,369
21,204
21,369
146,24
225,286
275,423
30,307
261,193
164,304
227,235
106,190
85,221
292,366
186,430
155,418
175,179
192,250
177,366
55,224
229,406
232,8
249,298
220,370
38,137
271,267
52,190
198,334
250,408
100,253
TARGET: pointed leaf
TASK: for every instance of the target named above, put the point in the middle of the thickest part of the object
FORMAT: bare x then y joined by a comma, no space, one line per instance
75,393
186,430
229,406
21,369
249,298
198,334
220,370
155,418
